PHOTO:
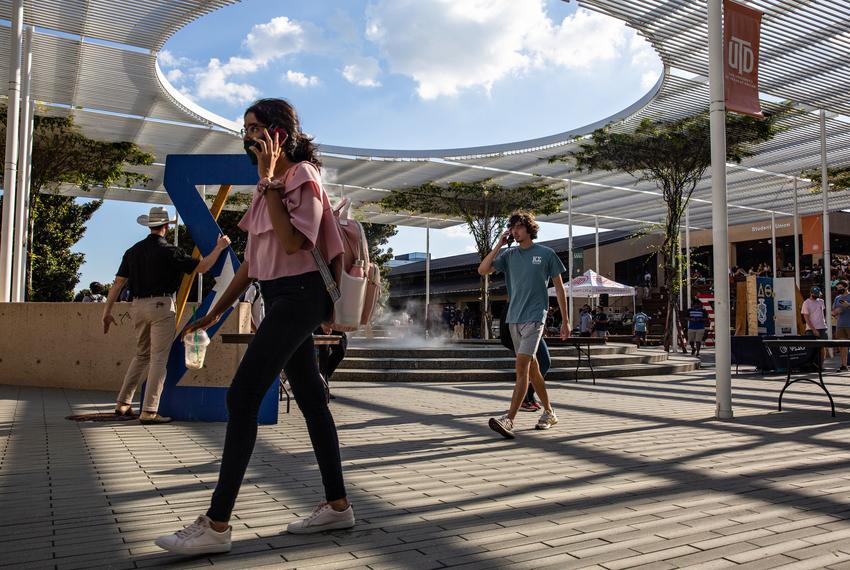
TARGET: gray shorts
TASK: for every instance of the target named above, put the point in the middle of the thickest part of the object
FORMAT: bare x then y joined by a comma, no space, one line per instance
526,337
696,335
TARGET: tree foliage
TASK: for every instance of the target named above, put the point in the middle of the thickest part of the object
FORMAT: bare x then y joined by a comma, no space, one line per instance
839,179
483,205
62,154
378,235
674,155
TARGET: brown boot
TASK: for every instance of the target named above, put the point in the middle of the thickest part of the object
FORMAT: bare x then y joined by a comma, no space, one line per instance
149,418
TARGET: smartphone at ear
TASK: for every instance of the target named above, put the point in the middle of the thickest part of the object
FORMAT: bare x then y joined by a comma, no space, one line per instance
281,134
510,240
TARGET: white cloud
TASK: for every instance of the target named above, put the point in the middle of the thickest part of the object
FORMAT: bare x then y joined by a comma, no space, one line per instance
168,60
432,41
174,75
364,72
213,83
264,44
301,80
459,231
275,39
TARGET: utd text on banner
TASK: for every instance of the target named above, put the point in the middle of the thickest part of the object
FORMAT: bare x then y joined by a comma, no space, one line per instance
741,31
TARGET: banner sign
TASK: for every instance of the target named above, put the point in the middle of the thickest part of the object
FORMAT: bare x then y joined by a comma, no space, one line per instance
764,307
812,234
795,356
785,298
741,33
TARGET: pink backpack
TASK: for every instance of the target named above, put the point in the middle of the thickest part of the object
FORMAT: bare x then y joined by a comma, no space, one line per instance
357,285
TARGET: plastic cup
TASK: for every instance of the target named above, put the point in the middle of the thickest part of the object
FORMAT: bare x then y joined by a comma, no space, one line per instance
195,344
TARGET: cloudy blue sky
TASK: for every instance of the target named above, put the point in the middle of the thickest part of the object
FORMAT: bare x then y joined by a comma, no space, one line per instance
406,74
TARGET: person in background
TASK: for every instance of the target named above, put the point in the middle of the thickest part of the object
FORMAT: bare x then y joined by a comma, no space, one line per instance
841,310
95,294
641,320
156,269
814,313
600,323
697,318
585,326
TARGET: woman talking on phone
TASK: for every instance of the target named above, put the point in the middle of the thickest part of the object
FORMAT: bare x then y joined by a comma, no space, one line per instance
289,214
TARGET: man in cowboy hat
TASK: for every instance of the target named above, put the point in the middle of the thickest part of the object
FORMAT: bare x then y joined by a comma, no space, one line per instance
155,268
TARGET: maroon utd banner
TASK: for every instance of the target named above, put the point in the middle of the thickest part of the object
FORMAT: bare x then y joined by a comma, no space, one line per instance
741,32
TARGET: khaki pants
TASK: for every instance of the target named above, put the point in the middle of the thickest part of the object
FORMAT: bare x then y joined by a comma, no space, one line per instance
154,321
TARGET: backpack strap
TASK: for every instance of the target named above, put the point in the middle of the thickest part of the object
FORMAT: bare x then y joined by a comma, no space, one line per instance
327,276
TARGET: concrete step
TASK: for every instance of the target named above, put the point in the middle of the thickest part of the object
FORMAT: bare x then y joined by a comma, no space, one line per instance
505,362
398,350
674,366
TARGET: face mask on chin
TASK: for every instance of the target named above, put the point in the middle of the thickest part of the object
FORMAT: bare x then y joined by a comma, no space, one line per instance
248,145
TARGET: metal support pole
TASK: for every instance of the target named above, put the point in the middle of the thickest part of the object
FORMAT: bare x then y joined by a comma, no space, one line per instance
570,259
176,226
201,275
688,252
10,174
796,237
26,230
719,214
596,242
773,249
827,261
19,265
428,279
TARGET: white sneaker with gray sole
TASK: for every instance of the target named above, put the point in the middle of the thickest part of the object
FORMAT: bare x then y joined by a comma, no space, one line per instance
323,518
547,420
503,425
197,538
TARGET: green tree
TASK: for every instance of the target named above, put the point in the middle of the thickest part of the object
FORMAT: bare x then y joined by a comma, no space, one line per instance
674,155
61,155
839,179
378,235
484,206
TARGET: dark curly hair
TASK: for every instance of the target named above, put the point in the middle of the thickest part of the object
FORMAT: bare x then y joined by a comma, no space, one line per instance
280,114
526,219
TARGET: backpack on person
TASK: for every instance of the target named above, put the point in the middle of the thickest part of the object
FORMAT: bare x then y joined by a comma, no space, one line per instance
355,283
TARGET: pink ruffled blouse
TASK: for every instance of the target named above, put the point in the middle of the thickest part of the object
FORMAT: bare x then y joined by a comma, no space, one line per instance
310,212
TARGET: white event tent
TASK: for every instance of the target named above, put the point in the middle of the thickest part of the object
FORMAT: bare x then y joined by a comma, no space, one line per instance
591,284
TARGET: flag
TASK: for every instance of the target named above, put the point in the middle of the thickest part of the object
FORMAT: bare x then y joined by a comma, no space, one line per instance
741,33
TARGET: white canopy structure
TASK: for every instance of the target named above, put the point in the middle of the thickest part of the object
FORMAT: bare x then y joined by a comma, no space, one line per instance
591,284
97,60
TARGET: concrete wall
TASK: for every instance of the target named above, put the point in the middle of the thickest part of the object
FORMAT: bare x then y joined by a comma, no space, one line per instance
62,345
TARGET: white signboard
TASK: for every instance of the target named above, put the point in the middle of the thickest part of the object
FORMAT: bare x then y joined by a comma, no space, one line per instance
785,309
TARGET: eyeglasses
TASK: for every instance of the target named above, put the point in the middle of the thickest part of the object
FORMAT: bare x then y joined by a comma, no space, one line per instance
252,129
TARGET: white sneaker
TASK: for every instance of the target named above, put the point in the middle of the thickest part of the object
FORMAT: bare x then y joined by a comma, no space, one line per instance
323,518
547,420
503,425
197,538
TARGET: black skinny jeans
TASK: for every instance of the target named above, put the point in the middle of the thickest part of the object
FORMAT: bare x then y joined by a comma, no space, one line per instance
295,306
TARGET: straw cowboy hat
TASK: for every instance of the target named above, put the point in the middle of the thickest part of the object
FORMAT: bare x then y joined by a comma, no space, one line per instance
158,216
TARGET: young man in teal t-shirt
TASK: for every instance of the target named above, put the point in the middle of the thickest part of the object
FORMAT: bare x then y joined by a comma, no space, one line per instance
527,270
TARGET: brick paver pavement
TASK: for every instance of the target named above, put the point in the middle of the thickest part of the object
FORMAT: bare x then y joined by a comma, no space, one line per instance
637,474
